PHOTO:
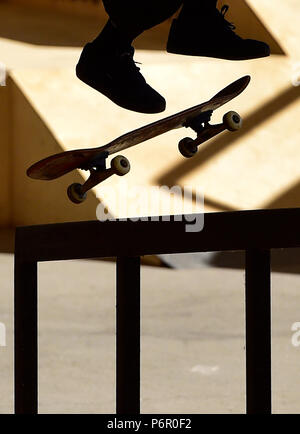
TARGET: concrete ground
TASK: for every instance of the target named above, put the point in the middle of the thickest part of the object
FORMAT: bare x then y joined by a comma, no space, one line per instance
193,355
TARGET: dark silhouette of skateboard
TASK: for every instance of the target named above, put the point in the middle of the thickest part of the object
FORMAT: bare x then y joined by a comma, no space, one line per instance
94,160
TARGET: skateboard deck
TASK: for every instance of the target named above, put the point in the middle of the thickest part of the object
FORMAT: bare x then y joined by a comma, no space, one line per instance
93,159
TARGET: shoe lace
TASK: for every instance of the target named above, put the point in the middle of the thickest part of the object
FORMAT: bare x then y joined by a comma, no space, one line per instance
126,57
226,23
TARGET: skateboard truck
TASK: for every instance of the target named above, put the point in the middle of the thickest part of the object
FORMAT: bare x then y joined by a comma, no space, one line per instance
119,165
188,147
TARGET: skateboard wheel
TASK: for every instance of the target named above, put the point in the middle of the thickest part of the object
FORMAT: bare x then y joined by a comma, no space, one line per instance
232,121
120,165
187,147
74,193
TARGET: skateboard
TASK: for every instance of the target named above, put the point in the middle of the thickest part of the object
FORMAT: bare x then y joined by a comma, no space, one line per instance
94,160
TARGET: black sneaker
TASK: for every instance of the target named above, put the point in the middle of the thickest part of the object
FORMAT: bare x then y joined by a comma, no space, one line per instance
115,74
213,36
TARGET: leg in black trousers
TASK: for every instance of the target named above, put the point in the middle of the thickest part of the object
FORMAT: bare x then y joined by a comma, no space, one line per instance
133,17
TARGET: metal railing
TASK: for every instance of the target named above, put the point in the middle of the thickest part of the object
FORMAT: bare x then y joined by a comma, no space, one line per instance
255,232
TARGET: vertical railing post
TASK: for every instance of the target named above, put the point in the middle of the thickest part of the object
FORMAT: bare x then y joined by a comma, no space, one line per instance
26,338
258,331
128,336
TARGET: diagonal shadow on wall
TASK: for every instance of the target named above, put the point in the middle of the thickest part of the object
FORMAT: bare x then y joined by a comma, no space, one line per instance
288,199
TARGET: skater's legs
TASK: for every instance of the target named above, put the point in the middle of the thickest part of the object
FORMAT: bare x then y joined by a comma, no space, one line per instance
107,64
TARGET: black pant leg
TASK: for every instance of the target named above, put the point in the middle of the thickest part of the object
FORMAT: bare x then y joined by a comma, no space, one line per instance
192,7
135,16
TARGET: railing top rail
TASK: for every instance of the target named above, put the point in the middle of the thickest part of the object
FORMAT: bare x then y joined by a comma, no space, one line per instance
237,230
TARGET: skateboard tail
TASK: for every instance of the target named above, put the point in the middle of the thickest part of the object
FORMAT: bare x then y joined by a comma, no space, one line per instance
58,165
